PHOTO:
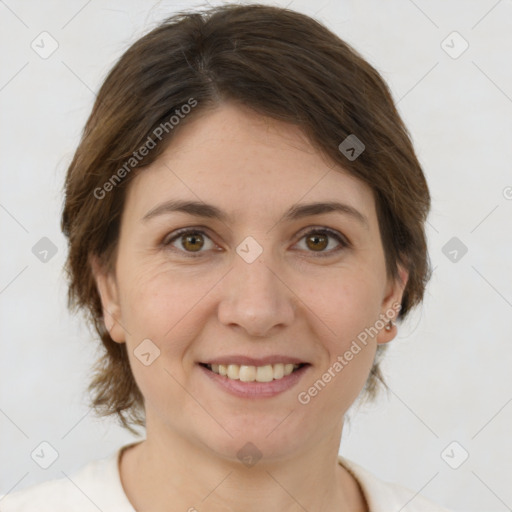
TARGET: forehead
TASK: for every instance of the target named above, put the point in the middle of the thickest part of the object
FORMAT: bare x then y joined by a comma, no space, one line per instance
247,164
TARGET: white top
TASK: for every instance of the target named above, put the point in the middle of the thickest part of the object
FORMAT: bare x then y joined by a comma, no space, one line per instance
97,486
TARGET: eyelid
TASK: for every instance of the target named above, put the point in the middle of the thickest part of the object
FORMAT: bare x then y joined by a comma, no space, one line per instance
342,240
310,230
175,235
324,229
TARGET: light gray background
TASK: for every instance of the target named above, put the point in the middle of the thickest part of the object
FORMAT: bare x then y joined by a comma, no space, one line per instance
449,368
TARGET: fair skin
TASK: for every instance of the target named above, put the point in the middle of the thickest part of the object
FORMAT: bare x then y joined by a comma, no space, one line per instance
303,296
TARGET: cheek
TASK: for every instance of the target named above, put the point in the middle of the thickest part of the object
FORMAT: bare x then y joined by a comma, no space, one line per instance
162,306
348,307
347,303
158,303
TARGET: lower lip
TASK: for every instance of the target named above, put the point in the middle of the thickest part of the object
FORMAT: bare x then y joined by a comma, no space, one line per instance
256,389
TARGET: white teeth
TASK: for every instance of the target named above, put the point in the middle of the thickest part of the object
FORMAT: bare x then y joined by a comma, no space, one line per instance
246,373
265,373
233,371
279,371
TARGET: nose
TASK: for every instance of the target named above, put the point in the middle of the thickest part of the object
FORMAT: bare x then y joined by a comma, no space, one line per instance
255,299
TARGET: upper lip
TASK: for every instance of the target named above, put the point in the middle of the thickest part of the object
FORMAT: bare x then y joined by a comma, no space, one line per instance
254,361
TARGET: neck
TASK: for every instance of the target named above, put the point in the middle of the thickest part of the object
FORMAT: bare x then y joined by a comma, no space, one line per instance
170,471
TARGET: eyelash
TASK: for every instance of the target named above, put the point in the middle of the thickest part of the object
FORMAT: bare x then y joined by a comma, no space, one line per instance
315,231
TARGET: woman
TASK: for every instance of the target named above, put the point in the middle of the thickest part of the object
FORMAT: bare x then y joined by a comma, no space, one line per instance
245,215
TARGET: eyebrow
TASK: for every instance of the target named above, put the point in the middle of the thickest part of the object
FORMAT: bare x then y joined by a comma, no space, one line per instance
299,211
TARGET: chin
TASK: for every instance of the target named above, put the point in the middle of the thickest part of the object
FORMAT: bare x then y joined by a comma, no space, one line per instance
257,439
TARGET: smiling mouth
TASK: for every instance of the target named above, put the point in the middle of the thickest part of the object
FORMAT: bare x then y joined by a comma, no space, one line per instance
246,373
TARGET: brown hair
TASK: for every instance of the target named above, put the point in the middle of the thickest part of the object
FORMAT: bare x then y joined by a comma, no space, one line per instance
282,64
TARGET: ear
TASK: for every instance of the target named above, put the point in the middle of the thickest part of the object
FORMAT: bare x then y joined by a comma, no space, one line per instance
393,298
109,294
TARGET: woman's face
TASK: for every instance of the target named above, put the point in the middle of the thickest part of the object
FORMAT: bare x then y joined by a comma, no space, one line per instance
255,283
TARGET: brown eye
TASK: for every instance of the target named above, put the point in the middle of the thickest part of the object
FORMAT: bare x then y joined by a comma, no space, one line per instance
189,241
317,241
192,242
